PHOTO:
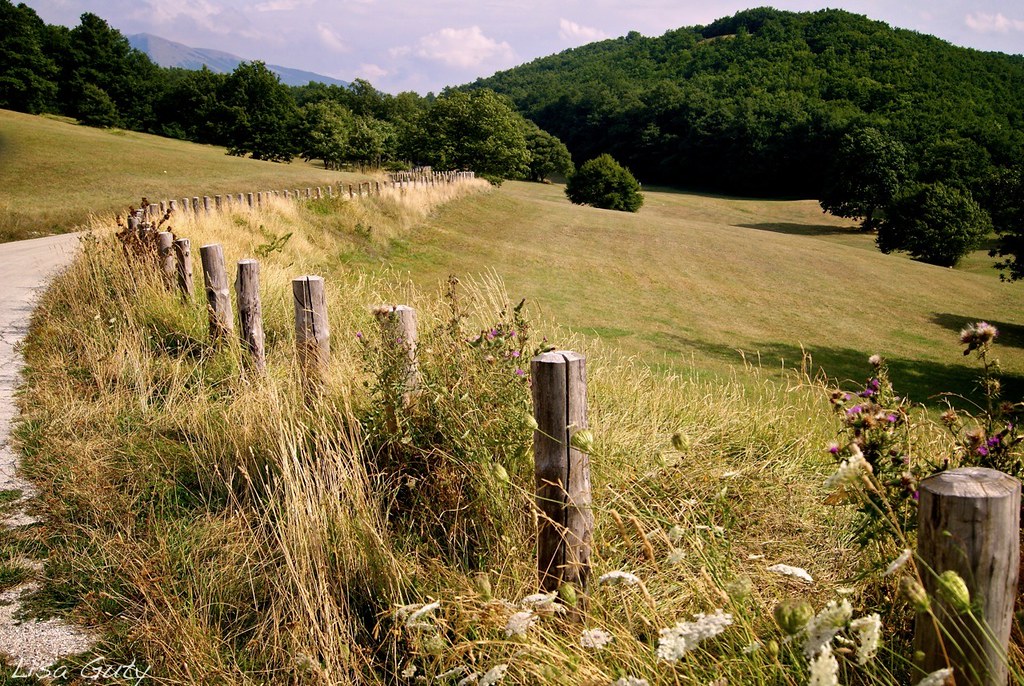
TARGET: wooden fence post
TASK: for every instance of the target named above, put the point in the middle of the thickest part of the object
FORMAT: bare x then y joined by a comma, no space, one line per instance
172,205
195,205
969,522
206,204
165,252
249,199
183,255
398,328
312,332
561,471
218,297
250,313
218,202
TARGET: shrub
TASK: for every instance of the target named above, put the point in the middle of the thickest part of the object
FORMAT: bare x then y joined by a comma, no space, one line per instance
603,182
935,223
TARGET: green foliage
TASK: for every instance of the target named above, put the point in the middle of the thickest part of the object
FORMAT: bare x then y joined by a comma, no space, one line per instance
372,141
934,223
1005,203
548,155
95,107
868,170
478,131
260,113
326,132
27,73
758,102
603,182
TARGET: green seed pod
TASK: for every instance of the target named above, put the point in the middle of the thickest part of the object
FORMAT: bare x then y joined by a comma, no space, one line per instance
952,588
531,422
499,473
583,440
772,648
914,592
793,615
567,594
740,588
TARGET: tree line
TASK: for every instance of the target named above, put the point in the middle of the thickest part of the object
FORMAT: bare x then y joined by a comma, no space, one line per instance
920,140
91,72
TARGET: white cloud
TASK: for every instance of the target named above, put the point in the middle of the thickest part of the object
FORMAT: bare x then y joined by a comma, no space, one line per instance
201,14
993,23
372,71
330,38
463,48
281,5
577,33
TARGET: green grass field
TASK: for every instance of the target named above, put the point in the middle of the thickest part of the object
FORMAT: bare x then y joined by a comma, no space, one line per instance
713,280
54,173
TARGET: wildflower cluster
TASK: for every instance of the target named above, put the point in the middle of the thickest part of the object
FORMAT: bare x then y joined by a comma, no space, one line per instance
676,641
991,438
876,467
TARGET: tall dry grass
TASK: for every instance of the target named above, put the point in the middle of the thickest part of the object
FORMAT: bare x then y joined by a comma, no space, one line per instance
225,528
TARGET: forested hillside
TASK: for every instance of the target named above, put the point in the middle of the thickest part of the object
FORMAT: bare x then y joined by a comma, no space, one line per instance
758,102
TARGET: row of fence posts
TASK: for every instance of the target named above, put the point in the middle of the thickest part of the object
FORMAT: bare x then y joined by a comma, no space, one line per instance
397,182
969,518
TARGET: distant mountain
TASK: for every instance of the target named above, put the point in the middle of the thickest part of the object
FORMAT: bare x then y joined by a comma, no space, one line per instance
167,53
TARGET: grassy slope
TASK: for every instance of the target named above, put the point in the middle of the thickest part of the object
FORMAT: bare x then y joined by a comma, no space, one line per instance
55,173
707,277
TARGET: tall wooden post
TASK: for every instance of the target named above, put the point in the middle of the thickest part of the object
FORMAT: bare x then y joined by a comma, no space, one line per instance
312,333
172,205
249,199
561,471
218,297
969,522
398,329
351,193
165,253
195,205
206,204
250,313
218,202
183,255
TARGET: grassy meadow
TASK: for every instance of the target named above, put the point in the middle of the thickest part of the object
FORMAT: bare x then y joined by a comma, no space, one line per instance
224,527
55,173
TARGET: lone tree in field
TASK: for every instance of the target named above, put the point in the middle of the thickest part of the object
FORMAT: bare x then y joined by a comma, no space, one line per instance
603,182
935,223
869,168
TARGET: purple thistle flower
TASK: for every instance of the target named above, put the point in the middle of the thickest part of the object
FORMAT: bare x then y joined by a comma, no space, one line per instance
892,418
515,353
520,372
856,409
874,384
359,335
846,396
983,451
866,393
834,448
917,495
993,442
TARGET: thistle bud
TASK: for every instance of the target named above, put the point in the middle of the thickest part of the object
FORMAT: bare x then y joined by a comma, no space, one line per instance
482,582
531,422
915,594
793,615
567,594
499,473
772,648
582,440
952,588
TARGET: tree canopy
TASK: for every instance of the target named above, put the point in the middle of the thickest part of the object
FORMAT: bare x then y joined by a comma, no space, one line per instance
602,182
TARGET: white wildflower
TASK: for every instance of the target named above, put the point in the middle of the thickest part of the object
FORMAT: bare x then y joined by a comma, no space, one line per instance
676,641
676,533
898,563
938,678
519,623
454,671
409,671
795,572
824,626
630,681
869,636
419,618
493,675
676,556
539,599
617,577
850,471
824,669
468,680
752,648
595,638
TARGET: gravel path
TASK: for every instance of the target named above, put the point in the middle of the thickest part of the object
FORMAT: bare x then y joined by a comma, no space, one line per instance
25,268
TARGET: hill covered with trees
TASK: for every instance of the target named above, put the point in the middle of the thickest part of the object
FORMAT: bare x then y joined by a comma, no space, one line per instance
826,104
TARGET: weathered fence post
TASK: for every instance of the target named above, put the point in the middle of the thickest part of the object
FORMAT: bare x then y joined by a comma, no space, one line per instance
183,255
218,202
206,204
218,297
398,329
250,314
195,205
969,522
561,471
312,333
249,199
172,205
165,253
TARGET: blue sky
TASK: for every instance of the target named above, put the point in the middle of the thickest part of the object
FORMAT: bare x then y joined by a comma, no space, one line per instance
424,45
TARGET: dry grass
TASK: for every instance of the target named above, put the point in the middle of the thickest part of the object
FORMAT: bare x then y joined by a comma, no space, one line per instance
223,530
55,174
